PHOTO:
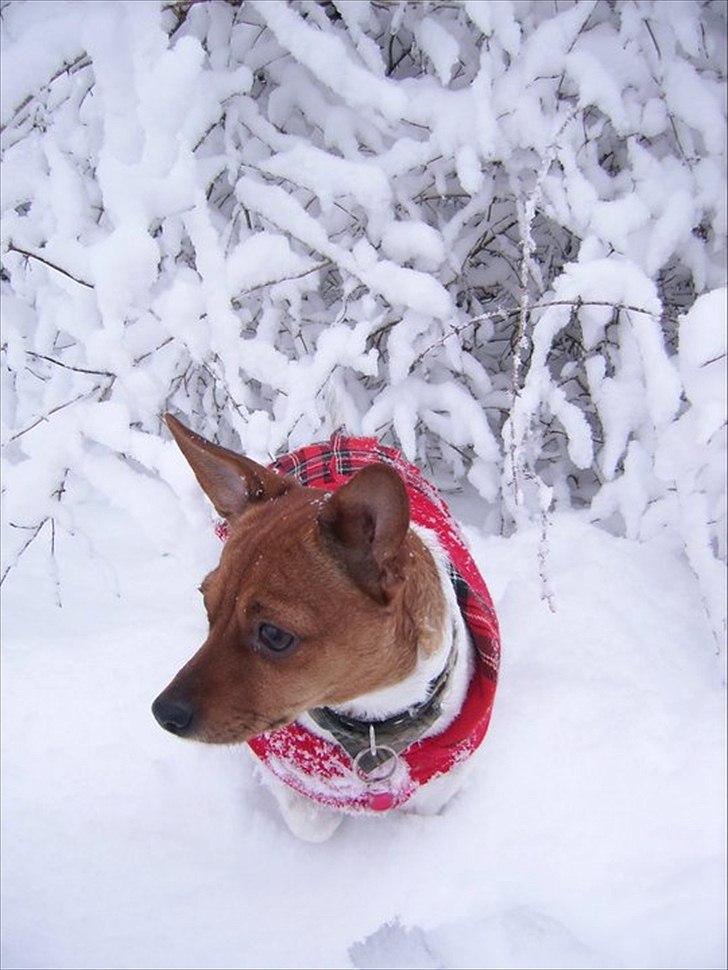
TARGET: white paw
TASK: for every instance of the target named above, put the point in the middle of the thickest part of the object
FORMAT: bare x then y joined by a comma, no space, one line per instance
305,818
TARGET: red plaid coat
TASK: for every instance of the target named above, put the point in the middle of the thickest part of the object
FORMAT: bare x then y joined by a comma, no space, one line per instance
321,769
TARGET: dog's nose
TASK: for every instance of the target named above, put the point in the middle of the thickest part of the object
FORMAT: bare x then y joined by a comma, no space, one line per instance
173,715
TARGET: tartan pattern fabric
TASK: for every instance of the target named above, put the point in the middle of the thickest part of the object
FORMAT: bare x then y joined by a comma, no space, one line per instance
321,769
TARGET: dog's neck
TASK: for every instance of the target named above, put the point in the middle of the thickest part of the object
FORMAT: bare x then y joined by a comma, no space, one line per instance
444,655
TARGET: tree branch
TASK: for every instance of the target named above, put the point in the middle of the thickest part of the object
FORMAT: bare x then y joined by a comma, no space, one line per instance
79,370
41,259
44,417
14,563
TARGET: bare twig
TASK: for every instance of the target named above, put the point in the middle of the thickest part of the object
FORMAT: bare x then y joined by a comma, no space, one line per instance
83,60
14,563
221,379
41,259
286,279
153,351
543,553
650,31
54,566
79,370
44,417
513,311
489,236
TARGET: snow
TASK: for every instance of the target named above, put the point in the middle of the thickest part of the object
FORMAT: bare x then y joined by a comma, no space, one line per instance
439,45
702,359
468,169
691,100
396,283
328,176
263,258
327,58
693,451
597,86
414,240
590,834
496,17
25,63
124,266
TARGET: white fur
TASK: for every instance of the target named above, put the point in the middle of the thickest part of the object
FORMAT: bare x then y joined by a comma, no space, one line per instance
305,818
315,823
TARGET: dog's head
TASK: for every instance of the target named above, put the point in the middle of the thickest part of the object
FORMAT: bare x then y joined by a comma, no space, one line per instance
310,603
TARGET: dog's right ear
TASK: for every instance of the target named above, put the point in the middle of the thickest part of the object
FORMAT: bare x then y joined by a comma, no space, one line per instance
366,521
230,481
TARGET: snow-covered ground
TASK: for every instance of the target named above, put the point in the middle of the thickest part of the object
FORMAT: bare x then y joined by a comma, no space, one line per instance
591,833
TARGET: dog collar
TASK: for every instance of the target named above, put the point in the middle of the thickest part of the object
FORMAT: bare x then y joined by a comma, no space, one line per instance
325,770
373,743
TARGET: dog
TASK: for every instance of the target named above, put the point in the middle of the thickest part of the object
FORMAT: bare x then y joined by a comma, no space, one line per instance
352,642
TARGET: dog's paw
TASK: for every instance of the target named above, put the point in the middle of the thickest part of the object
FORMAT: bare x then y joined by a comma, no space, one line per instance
304,818
307,820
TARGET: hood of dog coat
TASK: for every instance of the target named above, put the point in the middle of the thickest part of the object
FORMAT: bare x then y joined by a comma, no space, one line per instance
321,769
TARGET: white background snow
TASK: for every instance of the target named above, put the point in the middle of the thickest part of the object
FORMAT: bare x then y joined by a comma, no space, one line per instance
494,234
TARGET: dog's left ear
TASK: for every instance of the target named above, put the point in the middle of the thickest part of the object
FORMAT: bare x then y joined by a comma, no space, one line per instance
230,481
365,522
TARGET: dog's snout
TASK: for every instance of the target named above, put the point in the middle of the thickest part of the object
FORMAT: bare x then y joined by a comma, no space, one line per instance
175,716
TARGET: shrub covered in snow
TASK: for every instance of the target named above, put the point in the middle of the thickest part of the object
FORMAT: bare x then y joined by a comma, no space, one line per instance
493,233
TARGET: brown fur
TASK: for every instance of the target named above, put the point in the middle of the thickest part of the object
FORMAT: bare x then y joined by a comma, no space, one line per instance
345,574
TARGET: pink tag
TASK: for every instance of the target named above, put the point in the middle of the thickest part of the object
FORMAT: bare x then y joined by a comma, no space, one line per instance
380,801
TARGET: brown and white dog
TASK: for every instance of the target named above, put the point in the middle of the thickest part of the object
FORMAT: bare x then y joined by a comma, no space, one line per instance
336,631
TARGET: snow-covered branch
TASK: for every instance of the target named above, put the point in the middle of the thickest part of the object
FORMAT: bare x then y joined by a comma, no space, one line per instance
493,234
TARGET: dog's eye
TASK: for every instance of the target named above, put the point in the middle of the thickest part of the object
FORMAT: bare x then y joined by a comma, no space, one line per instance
274,638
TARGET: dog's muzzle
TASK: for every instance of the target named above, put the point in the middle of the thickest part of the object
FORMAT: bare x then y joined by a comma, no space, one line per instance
175,716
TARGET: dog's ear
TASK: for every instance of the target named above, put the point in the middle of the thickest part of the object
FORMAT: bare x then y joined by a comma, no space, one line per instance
230,481
365,523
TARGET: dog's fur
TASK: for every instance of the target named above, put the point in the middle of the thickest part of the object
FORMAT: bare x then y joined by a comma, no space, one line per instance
364,596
